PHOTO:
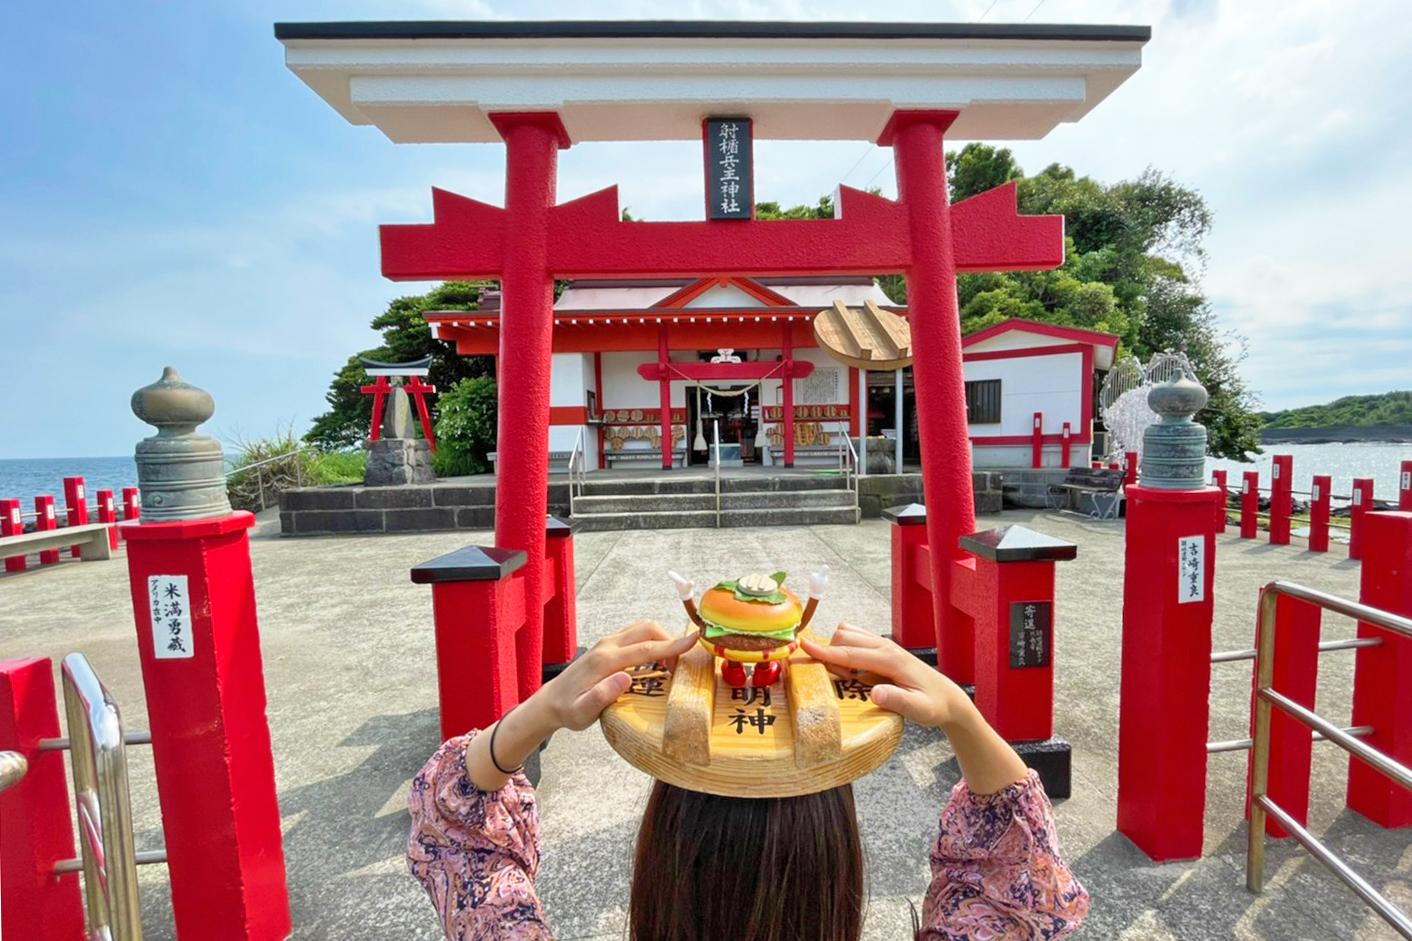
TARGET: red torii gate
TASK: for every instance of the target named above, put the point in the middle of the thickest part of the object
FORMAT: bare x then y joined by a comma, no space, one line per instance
533,240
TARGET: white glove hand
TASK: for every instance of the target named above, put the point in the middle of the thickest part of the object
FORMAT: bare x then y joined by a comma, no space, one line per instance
685,589
819,582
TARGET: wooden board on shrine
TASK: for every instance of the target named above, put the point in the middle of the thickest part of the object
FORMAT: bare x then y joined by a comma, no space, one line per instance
866,337
807,732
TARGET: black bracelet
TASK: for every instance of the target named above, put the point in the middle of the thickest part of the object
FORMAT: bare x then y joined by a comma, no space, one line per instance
493,729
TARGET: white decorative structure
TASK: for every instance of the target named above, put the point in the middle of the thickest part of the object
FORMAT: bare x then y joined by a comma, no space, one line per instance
1123,404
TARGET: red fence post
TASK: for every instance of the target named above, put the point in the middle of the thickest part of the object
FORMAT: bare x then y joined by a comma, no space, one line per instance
1319,513
107,513
132,508
478,605
561,631
1296,673
36,825
1037,442
1281,499
1164,708
1064,436
44,520
198,642
913,614
1218,480
76,504
1358,512
1249,504
12,524
1404,486
1130,469
1382,675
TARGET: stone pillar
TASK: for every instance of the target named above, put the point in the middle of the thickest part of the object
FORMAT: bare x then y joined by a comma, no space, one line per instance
1164,691
199,645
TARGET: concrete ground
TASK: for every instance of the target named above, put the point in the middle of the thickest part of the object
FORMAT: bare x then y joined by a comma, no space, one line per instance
352,709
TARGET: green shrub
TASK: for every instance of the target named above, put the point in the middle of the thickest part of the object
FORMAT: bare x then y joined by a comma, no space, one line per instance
337,467
263,467
465,427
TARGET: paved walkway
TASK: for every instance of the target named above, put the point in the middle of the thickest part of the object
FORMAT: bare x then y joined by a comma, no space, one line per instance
349,665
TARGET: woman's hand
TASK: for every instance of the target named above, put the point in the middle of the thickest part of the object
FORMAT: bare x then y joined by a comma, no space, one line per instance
921,693
572,700
577,697
909,687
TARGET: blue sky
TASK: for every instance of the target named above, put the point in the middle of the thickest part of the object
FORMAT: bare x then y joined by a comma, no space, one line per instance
171,194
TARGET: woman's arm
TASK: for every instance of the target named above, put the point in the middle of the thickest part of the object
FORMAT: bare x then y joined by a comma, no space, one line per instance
474,844
996,867
920,693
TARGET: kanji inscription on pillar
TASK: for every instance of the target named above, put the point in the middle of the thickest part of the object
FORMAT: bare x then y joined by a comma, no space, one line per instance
1191,569
170,604
1031,627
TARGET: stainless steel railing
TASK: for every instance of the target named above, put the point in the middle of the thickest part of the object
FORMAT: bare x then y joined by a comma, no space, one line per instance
578,475
848,462
107,857
1348,739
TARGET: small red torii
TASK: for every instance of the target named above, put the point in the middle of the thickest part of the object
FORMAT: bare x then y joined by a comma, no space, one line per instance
414,386
533,240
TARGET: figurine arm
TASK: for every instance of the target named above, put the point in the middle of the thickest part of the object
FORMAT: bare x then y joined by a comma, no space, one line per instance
818,584
684,592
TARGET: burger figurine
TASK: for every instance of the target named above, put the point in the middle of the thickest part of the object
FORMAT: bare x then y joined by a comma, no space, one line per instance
752,623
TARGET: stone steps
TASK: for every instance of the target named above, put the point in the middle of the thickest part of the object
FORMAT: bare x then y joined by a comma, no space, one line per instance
690,503
706,519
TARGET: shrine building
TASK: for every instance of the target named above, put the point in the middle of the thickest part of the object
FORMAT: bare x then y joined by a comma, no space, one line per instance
716,349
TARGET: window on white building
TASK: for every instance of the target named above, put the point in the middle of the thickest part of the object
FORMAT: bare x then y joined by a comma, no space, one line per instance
983,402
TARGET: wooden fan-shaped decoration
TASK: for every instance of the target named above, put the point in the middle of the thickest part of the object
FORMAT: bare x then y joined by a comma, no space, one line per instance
866,337
806,733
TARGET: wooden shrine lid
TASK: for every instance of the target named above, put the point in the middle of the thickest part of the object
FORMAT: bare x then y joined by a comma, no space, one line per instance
809,732
866,337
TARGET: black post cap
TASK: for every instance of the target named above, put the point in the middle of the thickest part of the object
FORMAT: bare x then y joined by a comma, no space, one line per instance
555,528
470,564
1018,544
913,514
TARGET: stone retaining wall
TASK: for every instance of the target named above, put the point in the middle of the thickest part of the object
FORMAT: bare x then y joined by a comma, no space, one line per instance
309,511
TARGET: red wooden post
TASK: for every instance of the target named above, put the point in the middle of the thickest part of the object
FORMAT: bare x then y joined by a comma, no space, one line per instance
937,371
1130,468
107,513
1164,703
1382,675
1218,480
44,521
1096,465
12,524
1404,486
1064,436
198,640
1249,504
787,384
1319,513
1358,512
379,390
532,144
76,505
419,391
1037,441
1296,673
478,606
1281,499
36,825
132,508
665,397
913,614
561,632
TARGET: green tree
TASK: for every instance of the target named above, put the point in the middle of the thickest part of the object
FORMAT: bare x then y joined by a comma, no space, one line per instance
465,427
405,336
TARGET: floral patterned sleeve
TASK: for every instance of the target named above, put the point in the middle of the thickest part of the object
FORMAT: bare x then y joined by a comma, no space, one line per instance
476,852
996,870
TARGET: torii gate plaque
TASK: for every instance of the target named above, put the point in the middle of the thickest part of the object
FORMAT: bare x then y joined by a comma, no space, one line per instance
533,241
539,86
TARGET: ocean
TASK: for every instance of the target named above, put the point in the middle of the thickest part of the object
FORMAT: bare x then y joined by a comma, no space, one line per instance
26,478
1379,460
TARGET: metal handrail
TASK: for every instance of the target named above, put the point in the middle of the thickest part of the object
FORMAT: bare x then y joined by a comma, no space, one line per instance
260,478
1266,698
716,436
106,853
577,471
12,768
850,467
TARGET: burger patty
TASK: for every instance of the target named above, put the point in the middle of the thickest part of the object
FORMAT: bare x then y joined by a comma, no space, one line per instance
746,642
